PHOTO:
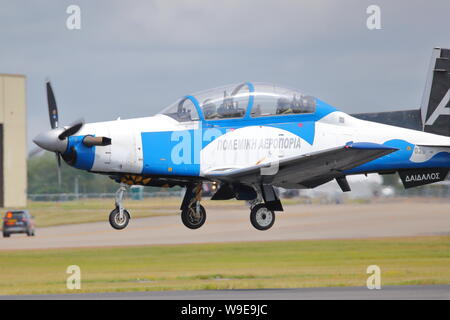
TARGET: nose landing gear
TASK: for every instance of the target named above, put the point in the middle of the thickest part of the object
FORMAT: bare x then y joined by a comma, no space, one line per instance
193,214
119,221
119,217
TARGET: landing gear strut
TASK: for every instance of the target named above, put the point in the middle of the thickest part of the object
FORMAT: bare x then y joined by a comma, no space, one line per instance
119,217
193,214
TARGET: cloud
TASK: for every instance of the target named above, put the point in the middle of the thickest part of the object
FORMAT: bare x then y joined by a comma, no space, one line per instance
133,58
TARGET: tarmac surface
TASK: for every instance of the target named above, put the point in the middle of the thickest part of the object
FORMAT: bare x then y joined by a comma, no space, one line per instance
436,292
223,224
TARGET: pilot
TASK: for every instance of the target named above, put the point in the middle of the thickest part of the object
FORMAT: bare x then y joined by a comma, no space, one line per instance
240,111
283,106
226,108
185,115
297,105
209,109
256,112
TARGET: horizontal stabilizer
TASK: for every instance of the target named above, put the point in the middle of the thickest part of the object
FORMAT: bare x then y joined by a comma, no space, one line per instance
409,119
435,145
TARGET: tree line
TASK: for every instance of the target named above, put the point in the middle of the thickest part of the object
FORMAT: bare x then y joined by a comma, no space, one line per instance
43,178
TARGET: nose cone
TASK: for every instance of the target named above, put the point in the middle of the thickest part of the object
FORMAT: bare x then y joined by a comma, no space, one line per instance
49,140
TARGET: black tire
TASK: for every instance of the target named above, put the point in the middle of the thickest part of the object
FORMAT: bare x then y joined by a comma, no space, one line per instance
261,217
115,221
6,235
30,233
189,219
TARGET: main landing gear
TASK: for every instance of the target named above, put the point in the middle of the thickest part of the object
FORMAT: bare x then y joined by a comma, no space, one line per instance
193,214
119,217
261,217
262,200
263,207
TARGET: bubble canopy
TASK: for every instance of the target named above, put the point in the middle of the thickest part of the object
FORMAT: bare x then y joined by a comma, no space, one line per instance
239,101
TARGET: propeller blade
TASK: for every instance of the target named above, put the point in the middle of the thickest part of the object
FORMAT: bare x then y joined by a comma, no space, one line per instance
34,152
52,108
71,130
58,162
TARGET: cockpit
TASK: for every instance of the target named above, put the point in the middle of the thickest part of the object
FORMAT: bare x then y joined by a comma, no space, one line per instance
244,100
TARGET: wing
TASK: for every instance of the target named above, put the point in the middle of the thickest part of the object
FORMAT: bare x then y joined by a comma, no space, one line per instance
308,169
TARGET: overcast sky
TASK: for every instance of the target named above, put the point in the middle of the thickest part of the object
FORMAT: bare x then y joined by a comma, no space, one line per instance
132,58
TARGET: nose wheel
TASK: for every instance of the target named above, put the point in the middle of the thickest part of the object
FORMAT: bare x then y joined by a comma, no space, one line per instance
119,221
193,215
261,217
119,217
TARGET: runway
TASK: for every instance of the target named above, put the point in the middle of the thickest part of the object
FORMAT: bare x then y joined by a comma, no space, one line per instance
232,225
437,292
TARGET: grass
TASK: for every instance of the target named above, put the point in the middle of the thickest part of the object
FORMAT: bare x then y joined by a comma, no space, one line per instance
285,264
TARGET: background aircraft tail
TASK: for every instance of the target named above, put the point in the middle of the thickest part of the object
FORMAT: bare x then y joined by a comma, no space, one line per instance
434,113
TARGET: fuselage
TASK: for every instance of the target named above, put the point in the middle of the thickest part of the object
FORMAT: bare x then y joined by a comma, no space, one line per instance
163,146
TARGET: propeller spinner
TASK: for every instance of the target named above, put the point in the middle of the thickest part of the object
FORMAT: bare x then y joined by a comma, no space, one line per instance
55,140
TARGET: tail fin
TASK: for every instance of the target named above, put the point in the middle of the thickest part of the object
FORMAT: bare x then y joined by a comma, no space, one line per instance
435,107
434,113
